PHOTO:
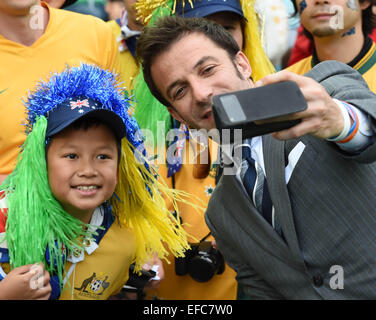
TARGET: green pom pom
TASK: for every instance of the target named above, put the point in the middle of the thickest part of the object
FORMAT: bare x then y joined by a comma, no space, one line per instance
149,112
35,219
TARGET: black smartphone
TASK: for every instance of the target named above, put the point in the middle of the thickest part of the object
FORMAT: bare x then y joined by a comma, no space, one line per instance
240,109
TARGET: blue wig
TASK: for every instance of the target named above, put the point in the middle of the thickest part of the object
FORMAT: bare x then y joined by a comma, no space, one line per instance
86,80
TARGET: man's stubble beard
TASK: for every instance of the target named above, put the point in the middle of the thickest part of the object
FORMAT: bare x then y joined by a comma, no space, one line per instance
324,32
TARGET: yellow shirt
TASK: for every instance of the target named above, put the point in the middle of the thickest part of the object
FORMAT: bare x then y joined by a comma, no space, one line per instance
173,287
103,272
366,67
129,68
69,39
97,273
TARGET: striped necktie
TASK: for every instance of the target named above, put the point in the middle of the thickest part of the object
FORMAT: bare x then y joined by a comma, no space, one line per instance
256,186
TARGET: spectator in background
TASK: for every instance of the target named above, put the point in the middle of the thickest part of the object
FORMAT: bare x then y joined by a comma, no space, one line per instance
342,35
35,41
303,46
127,29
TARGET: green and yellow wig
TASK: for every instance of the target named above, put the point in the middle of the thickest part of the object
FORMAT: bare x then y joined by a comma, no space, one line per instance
35,219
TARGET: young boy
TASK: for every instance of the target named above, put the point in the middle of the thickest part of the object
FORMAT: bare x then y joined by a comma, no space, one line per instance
80,200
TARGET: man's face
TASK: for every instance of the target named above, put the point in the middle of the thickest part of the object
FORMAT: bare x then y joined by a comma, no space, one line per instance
332,17
191,72
231,22
17,7
82,169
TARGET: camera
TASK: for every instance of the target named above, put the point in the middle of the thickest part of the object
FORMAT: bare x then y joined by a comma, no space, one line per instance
202,262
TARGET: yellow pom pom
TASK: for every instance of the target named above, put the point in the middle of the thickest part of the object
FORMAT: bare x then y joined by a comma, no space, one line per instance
145,8
141,206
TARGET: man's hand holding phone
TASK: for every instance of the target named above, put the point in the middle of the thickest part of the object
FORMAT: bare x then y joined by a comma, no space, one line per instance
284,104
322,118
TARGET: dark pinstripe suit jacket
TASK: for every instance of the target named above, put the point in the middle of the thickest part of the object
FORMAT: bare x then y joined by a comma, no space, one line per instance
327,212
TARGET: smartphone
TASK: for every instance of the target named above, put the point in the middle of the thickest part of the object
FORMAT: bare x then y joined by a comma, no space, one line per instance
240,109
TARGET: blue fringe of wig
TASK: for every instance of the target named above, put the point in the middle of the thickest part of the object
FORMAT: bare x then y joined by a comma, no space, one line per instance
86,80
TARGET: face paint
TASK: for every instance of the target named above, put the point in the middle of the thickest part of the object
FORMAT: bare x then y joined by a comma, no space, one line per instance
302,6
349,33
352,4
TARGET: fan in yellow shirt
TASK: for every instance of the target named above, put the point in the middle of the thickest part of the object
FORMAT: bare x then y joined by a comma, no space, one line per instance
80,199
348,43
42,40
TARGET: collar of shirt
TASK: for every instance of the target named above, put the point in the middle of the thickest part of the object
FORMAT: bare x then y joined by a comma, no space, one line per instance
231,154
97,219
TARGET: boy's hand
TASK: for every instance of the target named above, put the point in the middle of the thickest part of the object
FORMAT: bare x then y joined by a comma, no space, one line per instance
29,282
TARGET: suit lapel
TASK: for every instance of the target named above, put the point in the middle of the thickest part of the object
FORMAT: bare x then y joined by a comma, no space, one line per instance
246,215
273,151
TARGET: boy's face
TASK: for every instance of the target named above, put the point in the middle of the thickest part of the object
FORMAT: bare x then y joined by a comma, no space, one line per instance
82,169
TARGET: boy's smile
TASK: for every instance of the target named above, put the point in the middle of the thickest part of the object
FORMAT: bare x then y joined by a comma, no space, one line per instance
82,169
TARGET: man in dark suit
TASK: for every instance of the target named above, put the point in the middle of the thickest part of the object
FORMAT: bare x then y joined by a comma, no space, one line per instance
317,240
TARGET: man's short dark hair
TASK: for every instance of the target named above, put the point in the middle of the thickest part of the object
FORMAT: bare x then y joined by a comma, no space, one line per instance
157,39
368,18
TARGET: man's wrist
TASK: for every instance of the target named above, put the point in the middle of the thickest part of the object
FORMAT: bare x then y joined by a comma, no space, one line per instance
348,124
360,135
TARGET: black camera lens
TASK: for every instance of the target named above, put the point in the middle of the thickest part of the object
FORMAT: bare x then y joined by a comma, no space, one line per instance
202,269
202,262
206,262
